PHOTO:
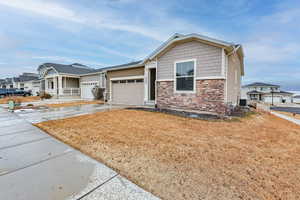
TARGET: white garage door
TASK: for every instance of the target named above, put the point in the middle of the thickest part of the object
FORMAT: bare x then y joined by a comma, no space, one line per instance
276,99
129,92
86,89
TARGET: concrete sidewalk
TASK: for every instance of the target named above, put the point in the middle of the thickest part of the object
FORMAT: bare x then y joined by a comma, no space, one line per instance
35,166
296,121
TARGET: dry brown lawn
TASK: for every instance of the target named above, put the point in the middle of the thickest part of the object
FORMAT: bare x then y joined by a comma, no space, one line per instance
177,158
19,99
296,116
75,103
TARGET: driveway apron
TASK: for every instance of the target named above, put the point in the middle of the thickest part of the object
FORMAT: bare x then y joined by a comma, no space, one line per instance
34,165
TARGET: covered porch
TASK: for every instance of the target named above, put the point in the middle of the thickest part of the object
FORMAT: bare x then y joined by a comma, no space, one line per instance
255,95
62,86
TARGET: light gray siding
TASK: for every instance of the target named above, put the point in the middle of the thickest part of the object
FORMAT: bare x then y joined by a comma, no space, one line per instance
90,78
209,59
72,82
233,79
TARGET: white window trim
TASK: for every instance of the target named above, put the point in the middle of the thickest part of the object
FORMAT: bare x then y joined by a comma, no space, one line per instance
175,78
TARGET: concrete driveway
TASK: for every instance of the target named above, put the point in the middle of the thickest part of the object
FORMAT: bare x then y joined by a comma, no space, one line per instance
35,116
35,166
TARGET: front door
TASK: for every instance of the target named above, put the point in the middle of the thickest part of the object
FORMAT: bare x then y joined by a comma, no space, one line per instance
152,84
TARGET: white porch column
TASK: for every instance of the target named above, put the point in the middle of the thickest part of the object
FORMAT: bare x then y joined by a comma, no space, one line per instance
60,85
55,85
146,85
65,82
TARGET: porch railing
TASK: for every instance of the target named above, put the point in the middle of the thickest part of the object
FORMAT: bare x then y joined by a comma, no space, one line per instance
71,91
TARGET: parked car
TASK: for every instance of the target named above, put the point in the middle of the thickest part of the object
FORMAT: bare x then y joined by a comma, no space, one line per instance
14,92
3,92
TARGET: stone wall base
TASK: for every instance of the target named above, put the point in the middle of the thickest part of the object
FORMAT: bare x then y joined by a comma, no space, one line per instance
209,97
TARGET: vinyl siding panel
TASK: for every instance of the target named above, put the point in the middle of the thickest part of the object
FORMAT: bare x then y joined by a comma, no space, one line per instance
233,85
123,73
209,59
90,78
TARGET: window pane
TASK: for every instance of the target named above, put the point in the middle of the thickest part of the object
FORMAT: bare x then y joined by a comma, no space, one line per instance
185,68
185,84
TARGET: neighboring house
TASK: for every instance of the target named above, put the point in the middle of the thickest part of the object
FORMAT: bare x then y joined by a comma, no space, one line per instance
265,92
63,81
8,83
190,72
296,99
28,82
2,83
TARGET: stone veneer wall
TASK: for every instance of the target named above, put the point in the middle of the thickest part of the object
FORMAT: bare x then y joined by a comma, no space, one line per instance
209,96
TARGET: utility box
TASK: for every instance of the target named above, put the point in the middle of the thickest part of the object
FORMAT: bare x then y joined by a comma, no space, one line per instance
11,105
243,102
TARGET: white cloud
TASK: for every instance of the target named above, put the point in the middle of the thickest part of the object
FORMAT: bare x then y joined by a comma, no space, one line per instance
262,51
45,8
274,38
158,25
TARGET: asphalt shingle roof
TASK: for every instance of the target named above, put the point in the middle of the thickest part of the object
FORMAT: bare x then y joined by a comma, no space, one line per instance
133,64
260,84
69,69
254,92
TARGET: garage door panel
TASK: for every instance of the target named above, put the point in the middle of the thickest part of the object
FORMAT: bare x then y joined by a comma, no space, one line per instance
131,93
86,90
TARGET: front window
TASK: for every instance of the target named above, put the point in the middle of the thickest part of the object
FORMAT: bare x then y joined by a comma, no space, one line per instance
185,76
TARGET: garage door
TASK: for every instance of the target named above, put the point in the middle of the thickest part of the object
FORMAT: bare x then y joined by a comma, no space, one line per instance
276,99
86,89
129,92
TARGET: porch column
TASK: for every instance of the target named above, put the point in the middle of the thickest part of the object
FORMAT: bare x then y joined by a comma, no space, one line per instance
146,84
60,85
55,85
65,82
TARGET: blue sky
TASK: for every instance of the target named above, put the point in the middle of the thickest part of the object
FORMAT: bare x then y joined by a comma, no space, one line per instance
101,33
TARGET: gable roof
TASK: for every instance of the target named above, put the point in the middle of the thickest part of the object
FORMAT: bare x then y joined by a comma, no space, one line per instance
254,92
230,47
27,78
75,69
176,38
127,65
179,37
116,67
260,84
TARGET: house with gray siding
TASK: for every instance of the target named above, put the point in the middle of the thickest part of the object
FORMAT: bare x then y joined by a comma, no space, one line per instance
266,92
69,81
187,72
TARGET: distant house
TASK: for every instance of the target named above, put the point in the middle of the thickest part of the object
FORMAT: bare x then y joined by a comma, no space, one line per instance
7,83
2,83
189,72
265,92
68,81
296,99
